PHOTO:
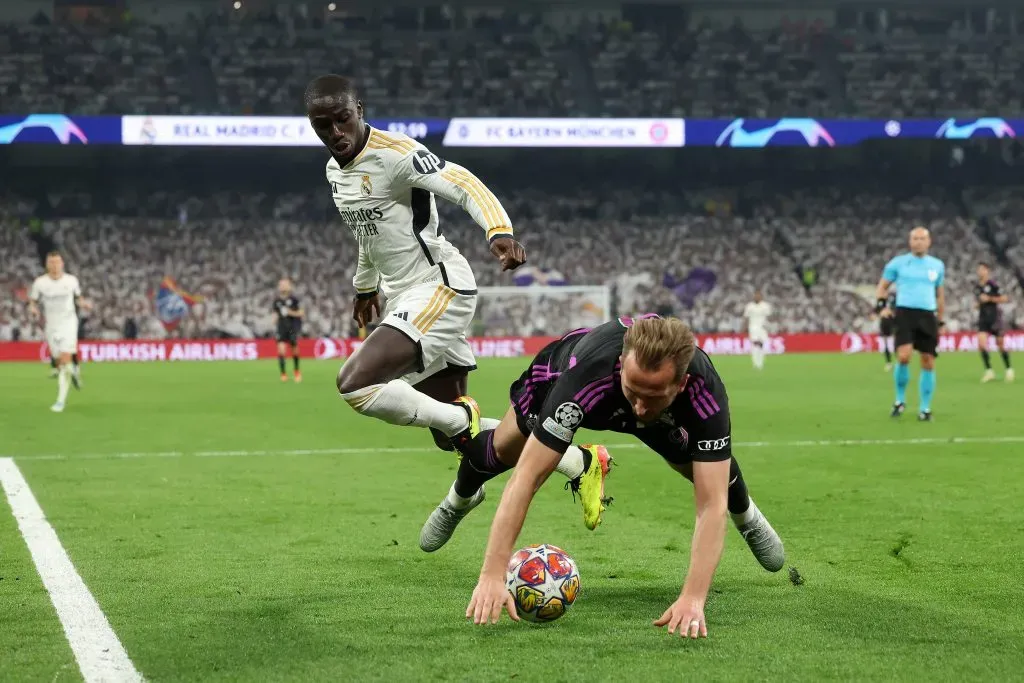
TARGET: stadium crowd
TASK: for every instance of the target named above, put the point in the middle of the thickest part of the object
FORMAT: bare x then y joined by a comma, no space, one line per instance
513,63
648,246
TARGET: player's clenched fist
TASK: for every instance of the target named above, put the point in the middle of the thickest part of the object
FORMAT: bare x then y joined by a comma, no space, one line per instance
365,309
687,616
489,596
509,252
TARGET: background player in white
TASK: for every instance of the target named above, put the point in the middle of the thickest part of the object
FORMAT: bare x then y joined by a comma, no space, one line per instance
412,369
59,293
757,313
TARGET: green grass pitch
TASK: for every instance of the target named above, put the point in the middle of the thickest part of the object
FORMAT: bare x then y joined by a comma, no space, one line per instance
219,552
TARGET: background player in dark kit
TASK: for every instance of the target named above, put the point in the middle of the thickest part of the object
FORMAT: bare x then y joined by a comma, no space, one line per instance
288,322
990,321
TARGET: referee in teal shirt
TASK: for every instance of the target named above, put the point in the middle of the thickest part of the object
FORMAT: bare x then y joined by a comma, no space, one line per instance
920,306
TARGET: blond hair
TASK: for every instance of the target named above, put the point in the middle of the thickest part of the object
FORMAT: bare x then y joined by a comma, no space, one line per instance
652,341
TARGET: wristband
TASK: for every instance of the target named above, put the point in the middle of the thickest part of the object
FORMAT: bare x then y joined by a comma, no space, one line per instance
366,295
880,305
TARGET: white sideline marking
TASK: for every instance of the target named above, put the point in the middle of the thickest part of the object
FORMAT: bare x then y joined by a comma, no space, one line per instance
806,443
99,653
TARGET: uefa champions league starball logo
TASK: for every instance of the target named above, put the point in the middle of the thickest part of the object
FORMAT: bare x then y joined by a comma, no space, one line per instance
63,128
737,133
569,415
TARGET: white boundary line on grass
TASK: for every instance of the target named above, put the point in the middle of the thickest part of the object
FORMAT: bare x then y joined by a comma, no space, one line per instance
99,653
805,443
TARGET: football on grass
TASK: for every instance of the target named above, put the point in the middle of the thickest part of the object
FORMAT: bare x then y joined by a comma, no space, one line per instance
544,582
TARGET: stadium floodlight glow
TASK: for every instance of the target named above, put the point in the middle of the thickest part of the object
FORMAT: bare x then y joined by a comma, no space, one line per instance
331,7
238,4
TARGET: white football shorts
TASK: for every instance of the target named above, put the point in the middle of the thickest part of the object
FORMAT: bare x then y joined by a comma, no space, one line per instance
63,338
758,335
437,318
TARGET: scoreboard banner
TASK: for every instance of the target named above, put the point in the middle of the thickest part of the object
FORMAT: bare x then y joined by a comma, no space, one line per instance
501,132
324,348
250,131
295,131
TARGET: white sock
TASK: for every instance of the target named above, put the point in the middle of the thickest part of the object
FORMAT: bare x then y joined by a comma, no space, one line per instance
398,403
63,382
571,464
758,355
746,517
488,423
456,501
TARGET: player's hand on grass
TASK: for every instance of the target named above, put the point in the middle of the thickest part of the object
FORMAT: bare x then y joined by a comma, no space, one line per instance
686,616
489,596
364,310
509,252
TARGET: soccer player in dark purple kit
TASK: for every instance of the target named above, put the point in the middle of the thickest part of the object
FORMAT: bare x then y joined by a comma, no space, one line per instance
990,321
644,377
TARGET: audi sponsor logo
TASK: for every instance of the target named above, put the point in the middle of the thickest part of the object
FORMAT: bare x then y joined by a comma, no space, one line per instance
713,444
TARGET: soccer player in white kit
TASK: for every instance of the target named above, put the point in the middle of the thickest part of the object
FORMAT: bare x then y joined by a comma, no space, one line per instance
59,293
756,314
413,368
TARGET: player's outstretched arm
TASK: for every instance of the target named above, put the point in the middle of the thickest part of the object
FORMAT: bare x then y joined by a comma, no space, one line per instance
427,171
536,463
710,488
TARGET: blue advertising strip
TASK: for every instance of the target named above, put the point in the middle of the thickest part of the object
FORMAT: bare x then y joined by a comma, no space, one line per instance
59,129
295,131
805,132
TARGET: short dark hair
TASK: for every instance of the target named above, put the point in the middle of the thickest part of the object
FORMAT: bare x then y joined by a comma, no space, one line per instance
985,263
330,85
54,253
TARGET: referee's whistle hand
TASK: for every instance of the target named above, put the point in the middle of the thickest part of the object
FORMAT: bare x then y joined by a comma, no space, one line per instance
510,253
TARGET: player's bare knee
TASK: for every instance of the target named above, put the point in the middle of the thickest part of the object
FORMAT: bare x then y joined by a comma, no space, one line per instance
349,380
509,440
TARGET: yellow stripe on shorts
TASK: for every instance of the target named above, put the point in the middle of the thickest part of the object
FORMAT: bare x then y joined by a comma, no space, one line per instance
435,309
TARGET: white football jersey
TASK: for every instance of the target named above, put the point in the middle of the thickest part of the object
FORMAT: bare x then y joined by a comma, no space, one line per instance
757,314
386,197
57,298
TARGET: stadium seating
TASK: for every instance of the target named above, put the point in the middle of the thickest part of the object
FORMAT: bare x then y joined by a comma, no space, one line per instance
239,64
221,248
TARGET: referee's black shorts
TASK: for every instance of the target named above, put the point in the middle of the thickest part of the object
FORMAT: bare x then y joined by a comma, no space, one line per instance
918,327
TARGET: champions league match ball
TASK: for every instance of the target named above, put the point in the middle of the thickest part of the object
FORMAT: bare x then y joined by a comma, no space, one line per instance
544,582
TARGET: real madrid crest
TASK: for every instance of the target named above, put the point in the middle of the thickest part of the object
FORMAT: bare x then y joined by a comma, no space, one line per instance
367,186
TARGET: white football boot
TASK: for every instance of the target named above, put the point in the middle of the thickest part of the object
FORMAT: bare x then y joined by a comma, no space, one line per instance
441,524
